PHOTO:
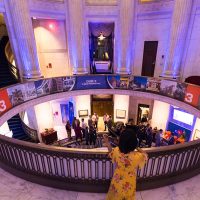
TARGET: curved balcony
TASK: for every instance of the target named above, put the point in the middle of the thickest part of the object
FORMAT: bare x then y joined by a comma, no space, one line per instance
90,169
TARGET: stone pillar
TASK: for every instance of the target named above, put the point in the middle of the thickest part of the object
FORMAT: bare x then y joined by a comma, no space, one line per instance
21,32
178,33
125,36
75,26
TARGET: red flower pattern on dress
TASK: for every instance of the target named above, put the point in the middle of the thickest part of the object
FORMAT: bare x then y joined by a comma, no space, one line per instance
117,177
113,188
131,174
126,161
126,186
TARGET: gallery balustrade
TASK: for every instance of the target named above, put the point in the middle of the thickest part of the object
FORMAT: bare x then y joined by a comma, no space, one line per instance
90,170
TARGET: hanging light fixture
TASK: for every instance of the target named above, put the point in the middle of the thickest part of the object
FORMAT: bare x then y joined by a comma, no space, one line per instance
101,37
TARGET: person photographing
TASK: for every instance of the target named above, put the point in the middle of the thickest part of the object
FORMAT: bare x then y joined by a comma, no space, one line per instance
127,157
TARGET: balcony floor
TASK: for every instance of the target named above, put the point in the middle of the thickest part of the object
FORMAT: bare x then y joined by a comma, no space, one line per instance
13,188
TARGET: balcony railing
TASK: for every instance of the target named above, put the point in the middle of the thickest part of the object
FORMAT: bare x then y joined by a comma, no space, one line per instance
90,170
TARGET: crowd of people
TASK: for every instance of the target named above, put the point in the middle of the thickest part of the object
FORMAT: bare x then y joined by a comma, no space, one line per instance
146,135
82,130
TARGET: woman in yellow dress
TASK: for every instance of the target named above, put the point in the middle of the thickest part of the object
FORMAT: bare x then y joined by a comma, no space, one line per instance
127,158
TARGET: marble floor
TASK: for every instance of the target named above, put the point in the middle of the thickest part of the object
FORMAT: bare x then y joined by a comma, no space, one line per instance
13,188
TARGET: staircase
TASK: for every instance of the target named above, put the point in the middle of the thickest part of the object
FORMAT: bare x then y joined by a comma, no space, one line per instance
5,76
15,125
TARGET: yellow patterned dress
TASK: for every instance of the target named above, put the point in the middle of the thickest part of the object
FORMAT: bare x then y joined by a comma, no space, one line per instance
123,184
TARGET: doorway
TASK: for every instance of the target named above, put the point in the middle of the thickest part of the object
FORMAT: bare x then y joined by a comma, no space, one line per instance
149,58
143,113
102,104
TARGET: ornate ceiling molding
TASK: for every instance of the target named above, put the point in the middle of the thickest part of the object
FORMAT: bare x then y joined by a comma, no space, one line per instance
47,8
159,7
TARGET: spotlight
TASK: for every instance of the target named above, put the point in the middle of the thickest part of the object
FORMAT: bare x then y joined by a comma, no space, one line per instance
51,26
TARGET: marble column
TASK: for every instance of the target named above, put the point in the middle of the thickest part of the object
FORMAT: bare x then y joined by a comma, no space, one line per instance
125,36
21,30
76,37
178,33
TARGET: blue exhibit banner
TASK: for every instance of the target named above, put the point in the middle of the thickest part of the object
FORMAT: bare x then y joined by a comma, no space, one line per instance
71,112
91,82
64,113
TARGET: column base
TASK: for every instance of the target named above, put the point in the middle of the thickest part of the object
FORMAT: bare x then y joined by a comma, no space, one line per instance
80,73
123,71
31,78
170,75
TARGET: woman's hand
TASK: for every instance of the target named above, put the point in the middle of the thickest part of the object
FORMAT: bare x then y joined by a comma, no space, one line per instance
143,152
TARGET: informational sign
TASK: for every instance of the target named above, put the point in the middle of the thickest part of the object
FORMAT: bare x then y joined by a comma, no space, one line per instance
167,87
153,84
179,92
29,91
140,82
114,81
42,87
16,94
68,83
5,103
192,95
56,85
64,112
91,82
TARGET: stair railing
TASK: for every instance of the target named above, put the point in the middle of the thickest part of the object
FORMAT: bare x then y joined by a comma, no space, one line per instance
3,30
32,133
10,58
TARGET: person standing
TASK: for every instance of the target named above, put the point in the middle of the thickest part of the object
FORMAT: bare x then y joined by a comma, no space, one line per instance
78,132
74,123
128,158
69,130
93,135
109,122
87,136
83,127
95,119
158,137
90,121
105,117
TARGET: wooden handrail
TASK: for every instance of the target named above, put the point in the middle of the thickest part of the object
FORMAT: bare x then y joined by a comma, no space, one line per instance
62,167
32,133
10,58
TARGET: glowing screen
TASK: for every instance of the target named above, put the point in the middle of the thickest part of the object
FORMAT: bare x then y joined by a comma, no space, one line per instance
183,117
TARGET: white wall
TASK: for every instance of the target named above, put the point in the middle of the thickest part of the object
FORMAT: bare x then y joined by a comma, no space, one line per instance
121,102
4,130
52,47
156,29
82,102
44,116
32,120
160,115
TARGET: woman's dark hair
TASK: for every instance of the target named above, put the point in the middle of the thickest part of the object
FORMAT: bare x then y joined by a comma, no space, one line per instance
128,140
